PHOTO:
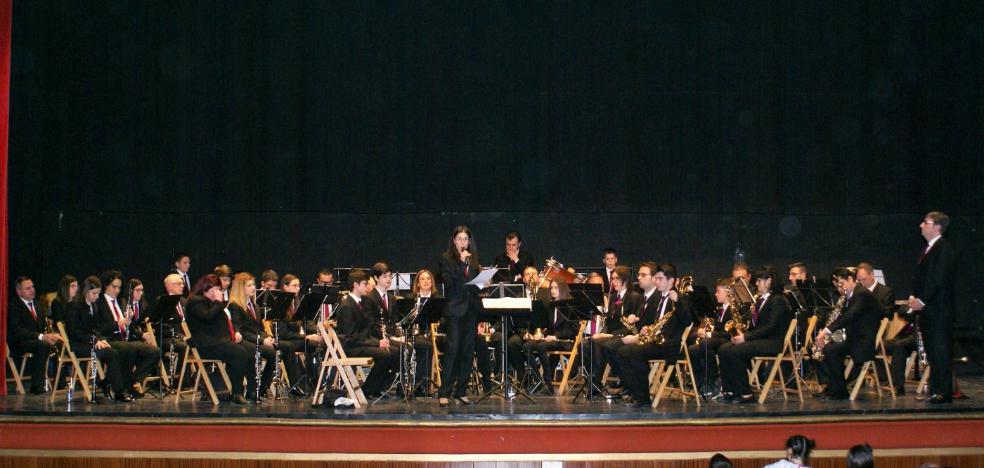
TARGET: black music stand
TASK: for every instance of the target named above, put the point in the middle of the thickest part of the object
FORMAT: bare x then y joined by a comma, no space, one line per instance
506,308
274,304
589,301
165,312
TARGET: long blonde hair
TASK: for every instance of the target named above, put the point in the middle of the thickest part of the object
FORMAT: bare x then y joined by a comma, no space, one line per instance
237,292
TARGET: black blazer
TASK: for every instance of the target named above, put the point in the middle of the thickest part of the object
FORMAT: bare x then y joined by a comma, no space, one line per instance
631,301
20,325
373,303
933,283
720,320
108,326
672,330
246,325
509,276
773,320
860,318
207,322
648,310
462,300
82,323
566,325
353,324
886,299
57,311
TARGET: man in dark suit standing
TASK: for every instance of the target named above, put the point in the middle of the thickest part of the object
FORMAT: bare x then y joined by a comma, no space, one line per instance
933,299
860,318
27,332
180,264
512,262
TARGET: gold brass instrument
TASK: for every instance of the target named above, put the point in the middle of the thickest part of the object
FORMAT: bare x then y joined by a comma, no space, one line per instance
707,324
629,326
487,331
818,345
654,333
555,271
738,324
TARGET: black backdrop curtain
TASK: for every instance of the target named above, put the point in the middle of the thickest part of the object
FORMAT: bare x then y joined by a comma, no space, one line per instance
296,135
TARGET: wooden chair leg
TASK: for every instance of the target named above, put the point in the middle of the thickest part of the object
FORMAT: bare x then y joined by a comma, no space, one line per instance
768,383
860,380
667,373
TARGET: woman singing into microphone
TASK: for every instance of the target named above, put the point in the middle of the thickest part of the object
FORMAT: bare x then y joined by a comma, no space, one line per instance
459,265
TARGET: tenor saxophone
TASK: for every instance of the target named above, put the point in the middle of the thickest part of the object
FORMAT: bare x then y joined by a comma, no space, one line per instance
654,333
818,345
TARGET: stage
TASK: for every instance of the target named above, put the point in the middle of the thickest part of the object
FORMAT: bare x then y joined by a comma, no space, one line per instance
552,428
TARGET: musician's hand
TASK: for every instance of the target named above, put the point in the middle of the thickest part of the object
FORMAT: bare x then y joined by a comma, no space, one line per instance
514,256
738,339
102,344
550,338
673,295
915,304
147,337
518,278
239,337
630,339
396,339
315,338
632,318
384,344
821,336
51,338
464,254
268,341
598,336
123,322
701,333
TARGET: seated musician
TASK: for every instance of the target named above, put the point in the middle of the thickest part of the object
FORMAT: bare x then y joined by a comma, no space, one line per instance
125,334
644,313
610,259
672,317
354,330
292,336
383,305
860,318
423,289
740,271
559,335
269,279
68,289
248,322
224,272
622,302
169,333
28,331
326,277
84,333
214,335
513,260
770,317
711,335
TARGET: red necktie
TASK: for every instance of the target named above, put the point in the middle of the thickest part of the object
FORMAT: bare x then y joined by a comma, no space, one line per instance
117,315
386,305
758,307
466,270
180,311
232,331
136,311
610,274
30,306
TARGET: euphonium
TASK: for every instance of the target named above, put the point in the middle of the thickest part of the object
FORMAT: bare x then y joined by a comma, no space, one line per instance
818,345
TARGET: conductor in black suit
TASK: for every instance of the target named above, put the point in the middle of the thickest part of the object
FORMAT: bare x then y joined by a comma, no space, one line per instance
27,331
860,319
513,260
932,298
459,265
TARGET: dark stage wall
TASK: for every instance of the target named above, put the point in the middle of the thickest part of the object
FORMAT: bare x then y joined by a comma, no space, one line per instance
299,134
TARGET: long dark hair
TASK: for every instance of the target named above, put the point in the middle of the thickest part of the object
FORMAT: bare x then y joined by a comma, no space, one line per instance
63,285
452,252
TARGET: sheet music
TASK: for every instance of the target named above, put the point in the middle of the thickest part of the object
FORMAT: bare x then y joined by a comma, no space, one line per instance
483,278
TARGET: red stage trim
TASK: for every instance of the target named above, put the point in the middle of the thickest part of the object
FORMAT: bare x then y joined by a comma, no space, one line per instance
487,439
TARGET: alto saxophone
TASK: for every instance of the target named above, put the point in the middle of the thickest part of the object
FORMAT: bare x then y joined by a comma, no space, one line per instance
654,333
818,345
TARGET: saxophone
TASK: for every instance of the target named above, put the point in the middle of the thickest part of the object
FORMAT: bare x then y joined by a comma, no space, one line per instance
834,314
630,326
738,324
654,333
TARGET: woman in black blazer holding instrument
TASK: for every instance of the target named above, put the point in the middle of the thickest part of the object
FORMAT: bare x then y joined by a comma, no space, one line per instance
459,265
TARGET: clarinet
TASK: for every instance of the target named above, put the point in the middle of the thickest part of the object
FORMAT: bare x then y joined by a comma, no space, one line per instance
95,368
259,370
920,344
276,359
173,358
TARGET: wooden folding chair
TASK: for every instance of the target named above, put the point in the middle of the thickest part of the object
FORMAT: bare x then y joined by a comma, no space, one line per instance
67,356
436,353
571,357
788,354
660,374
336,359
16,371
868,370
162,375
805,353
198,365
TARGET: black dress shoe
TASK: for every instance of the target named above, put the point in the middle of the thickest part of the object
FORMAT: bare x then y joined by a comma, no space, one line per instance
742,400
239,400
633,403
925,396
122,397
463,400
939,400
106,390
899,392
837,396
136,394
37,390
